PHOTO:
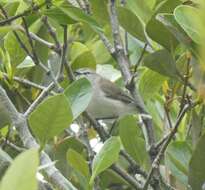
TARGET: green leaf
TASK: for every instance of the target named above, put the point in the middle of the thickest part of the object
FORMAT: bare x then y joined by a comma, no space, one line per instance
79,94
196,166
81,56
78,15
59,16
99,11
17,54
41,50
105,157
150,83
50,118
59,153
130,136
157,31
109,72
162,62
134,26
177,160
6,29
166,38
11,7
99,51
143,9
188,18
27,63
19,176
169,21
78,162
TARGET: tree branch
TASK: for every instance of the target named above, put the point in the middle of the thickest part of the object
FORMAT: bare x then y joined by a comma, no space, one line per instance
19,121
123,62
164,146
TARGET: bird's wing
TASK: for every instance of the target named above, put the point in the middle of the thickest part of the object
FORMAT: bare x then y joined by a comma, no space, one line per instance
116,93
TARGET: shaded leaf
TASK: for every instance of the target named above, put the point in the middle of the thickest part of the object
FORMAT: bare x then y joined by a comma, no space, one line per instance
77,161
162,62
169,21
166,38
177,160
133,143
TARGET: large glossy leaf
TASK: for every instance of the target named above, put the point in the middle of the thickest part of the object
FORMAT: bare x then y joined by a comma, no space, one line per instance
79,94
188,18
196,167
134,26
19,176
162,62
133,143
150,83
50,118
177,160
105,157
78,162
81,56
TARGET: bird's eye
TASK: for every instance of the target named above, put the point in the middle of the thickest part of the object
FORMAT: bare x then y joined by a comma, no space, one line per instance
82,73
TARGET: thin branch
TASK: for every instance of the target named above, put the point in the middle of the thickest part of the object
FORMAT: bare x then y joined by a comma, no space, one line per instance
25,82
19,121
186,79
164,146
36,59
35,8
141,57
34,56
12,145
135,167
126,176
40,40
64,51
52,33
39,99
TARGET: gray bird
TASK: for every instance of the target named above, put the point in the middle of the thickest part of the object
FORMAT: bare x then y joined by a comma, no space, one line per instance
108,100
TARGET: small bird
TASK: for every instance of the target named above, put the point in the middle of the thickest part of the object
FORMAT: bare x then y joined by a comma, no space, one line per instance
108,100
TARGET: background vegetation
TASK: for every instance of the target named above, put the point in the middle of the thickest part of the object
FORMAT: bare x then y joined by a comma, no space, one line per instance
153,49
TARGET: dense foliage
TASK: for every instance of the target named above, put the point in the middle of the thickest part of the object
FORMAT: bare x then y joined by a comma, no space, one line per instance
153,49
